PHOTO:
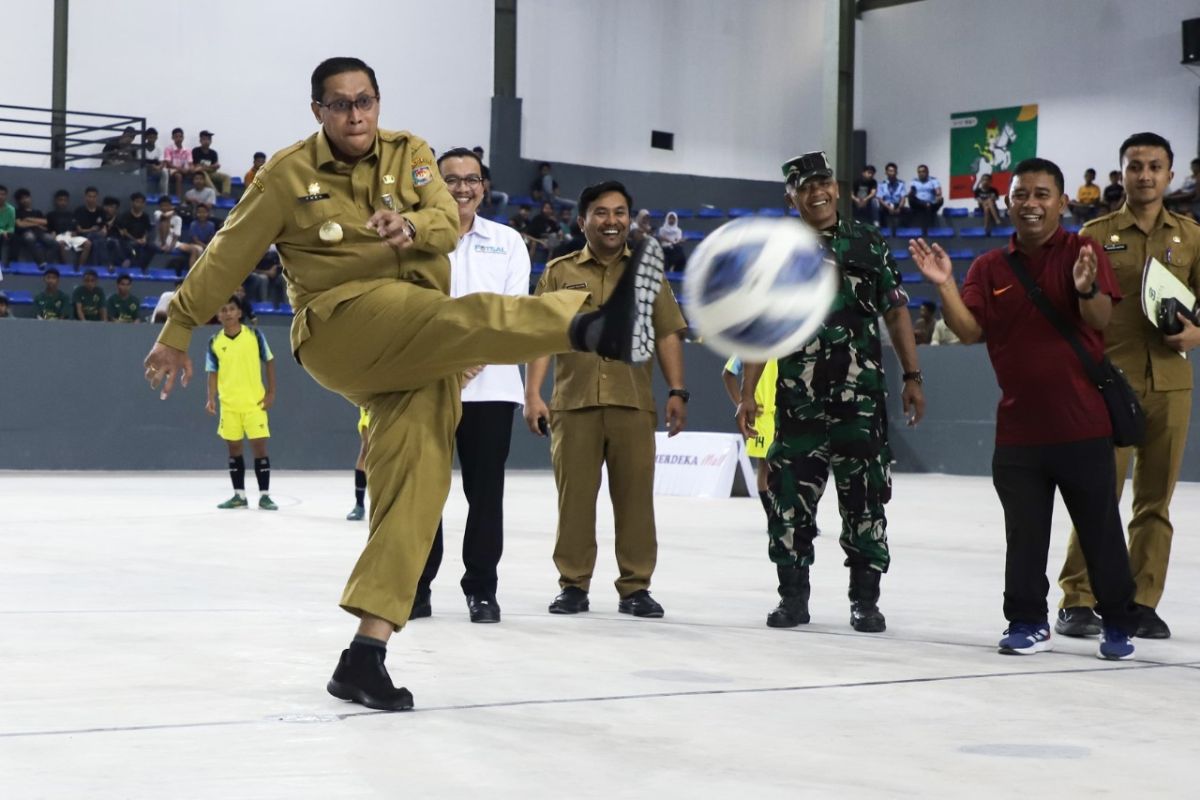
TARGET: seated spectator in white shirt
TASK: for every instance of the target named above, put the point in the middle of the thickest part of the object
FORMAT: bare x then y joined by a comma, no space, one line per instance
670,236
201,194
924,198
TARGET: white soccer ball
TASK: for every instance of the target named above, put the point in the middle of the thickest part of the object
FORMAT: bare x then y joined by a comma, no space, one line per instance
759,288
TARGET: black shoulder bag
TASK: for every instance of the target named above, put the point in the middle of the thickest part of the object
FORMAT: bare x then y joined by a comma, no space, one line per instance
1128,418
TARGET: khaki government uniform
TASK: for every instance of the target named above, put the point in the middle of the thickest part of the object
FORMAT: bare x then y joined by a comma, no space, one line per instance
1163,382
604,414
375,326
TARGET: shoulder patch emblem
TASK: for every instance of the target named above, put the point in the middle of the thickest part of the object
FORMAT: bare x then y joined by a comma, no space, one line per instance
422,175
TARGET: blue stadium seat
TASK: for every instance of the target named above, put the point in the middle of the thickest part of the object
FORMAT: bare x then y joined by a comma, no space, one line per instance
683,213
709,212
955,212
226,202
518,200
657,213
235,181
735,213
941,233
68,270
912,277
971,233
908,233
693,236
22,268
151,199
961,253
150,301
978,212
673,277
1006,231
537,268
772,212
793,212
1071,227
901,253
263,308
161,275
17,297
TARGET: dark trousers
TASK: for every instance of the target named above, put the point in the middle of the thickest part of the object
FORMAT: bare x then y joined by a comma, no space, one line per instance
482,441
1083,473
924,213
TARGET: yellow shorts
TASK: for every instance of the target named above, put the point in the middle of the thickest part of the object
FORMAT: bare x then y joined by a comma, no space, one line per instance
364,419
236,425
764,423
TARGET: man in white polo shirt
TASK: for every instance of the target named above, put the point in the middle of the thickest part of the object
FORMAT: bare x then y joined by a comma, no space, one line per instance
490,257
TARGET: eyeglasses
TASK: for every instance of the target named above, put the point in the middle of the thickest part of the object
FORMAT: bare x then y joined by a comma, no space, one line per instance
364,103
471,181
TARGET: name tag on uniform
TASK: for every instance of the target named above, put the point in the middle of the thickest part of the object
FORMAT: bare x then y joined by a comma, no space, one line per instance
575,286
308,198
1114,248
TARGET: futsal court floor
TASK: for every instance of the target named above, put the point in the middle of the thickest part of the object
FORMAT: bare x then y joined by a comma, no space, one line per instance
152,646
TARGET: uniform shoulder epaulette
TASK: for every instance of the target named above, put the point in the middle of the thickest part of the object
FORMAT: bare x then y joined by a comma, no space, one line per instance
560,259
1098,220
395,136
1186,220
275,160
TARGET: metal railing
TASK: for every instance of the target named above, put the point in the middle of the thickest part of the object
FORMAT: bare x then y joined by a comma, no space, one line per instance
66,136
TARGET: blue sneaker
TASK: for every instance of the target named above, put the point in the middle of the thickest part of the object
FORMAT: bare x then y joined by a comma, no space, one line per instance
1115,645
1025,638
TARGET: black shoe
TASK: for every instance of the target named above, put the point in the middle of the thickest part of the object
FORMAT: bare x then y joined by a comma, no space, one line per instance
626,325
793,598
422,605
483,608
1151,625
570,600
362,678
640,604
1077,621
865,616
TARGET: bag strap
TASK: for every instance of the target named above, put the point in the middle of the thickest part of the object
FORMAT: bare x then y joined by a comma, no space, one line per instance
1038,297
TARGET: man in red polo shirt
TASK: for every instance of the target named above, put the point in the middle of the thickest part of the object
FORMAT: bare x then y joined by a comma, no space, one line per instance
1052,426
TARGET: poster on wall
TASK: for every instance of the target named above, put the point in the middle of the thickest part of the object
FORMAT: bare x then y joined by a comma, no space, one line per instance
991,141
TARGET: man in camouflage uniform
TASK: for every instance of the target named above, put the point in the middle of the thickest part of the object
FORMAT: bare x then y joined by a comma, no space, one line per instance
831,409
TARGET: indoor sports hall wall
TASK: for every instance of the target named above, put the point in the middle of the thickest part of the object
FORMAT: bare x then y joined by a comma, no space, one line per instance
72,396
1099,70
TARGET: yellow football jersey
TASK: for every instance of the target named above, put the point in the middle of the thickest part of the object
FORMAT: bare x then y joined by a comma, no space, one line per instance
764,396
238,362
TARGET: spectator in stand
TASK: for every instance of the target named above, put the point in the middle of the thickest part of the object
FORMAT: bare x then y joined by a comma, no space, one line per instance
123,306
923,325
51,302
1114,193
260,158
204,159
573,239
120,150
546,188
543,233
202,229
4,312
168,232
89,223
266,283
987,196
892,198
494,203
925,198
61,221
88,299
114,252
178,160
152,162
1187,199
34,238
641,228
201,194
1086,204
135,228
670,236
8,227
521,221
942,334
865,197
164,302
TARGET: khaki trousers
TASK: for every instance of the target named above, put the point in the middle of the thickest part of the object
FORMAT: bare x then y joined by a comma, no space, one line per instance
582,441
1155,470
399,350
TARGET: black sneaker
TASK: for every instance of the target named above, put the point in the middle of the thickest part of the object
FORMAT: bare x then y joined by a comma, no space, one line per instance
626,321
640,604
1077,621
1151,625
422,605
571,600
483,608
362,678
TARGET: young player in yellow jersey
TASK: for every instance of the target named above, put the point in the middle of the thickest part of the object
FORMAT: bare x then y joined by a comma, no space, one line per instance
360,469
234,363
764,423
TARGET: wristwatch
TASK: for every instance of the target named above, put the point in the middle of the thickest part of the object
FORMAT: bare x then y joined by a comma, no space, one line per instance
682,394
1089,294
914,376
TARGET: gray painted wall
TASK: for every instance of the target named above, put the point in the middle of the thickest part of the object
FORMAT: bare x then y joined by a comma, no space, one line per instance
72,397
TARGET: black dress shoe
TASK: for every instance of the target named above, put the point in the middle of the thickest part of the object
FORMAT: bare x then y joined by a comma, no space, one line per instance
1077,621
570,600
1151,625
422,605
483,608
362,678
640,604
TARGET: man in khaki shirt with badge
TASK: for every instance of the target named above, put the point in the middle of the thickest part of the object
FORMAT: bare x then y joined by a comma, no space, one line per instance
363,224
1141,229
602,413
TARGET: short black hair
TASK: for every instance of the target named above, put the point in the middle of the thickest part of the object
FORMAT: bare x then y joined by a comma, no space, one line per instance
336,66
1092,171
176,130
593,192
163,197
929,304
124,276
110,201
51,271
478,149
891,164
870,167
260,154
923,166
151,131
91,189
1042,165
90,272
21,194
137,196
544,164
1147,139
3,188
61,193
1116,173
459,152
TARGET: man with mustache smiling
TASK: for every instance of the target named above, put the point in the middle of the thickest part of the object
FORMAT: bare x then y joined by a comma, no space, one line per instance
1053,430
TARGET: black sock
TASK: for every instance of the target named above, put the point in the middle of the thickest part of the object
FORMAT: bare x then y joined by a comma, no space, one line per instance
237,473
362,645
360,486
262,471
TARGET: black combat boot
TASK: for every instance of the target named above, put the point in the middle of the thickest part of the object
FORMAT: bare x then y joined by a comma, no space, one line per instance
793,598
865,616
362,678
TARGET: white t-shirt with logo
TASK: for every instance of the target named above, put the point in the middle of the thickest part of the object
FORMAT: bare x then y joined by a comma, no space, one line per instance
491,258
